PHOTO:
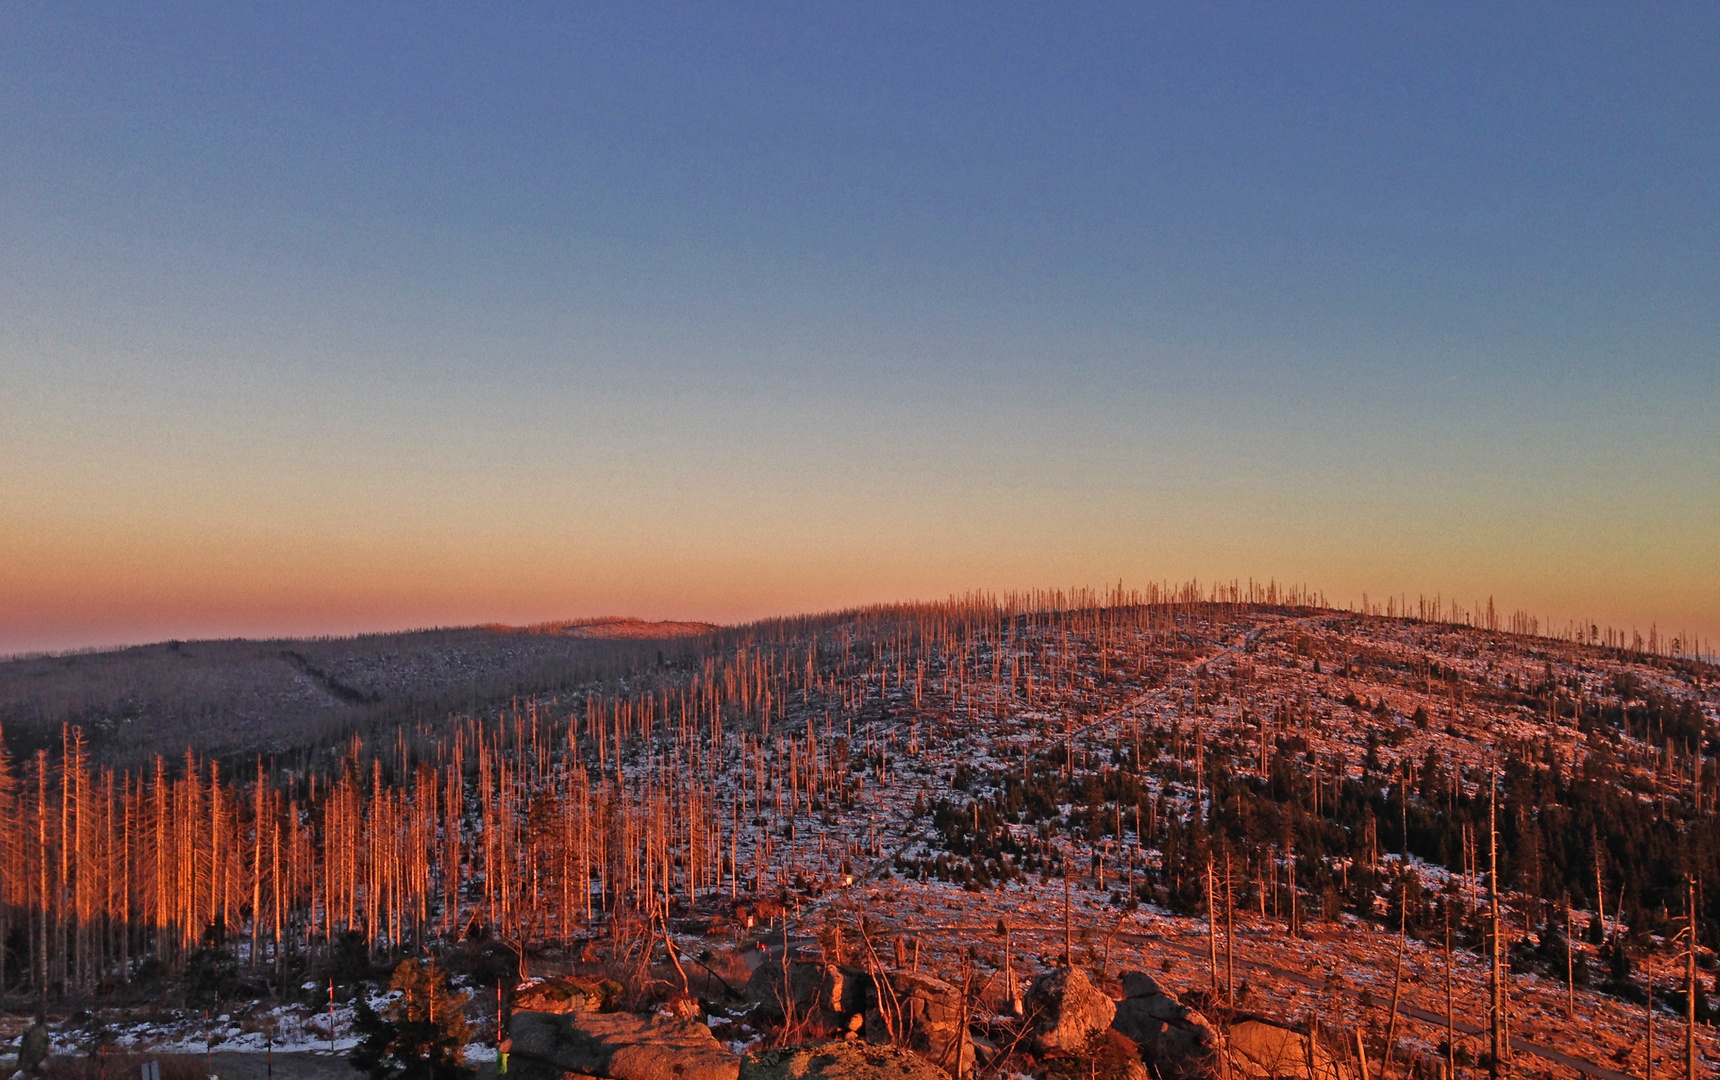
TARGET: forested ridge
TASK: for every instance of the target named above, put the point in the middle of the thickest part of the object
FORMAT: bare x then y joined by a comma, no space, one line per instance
1327,764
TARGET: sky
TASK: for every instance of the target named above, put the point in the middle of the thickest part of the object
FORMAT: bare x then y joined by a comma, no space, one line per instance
320,319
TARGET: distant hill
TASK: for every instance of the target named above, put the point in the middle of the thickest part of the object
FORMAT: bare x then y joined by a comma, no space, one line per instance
225,696
616,628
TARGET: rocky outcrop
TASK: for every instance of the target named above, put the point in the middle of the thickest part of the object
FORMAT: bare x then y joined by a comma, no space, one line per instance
1177,1043
566,995
924,1014
1067,1011
931,1017
1110,1056
620,1046
838,1061
1266,1051
830,994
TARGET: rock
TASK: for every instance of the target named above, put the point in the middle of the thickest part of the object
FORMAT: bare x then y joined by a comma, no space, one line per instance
837,1061
841,997
933,1021
1144,1018
566,995
1262,1049
828,993
1176,1042
767,983
620,1046
1067,1011
845,991
1109,1056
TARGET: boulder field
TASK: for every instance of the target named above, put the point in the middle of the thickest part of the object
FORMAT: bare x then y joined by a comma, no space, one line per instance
901,1025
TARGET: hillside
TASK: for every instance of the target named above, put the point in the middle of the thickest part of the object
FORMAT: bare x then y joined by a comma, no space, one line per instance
1147,784
238,696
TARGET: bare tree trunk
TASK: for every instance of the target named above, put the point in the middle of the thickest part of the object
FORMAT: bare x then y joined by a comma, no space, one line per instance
1229,936
1397,988
257,818
1211,926
1450,1007
1495,983
1690,980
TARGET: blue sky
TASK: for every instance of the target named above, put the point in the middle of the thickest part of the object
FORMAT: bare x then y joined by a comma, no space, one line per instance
339,319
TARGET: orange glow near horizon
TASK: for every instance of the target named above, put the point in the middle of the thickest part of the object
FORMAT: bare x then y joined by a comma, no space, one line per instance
104,587
138,537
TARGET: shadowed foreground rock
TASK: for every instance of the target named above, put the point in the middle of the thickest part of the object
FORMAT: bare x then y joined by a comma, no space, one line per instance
621,1046
829,993
1067,1011
838,1061
1177,1043
933,1020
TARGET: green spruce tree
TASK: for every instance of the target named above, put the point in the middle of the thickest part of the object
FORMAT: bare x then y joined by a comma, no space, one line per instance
420,1035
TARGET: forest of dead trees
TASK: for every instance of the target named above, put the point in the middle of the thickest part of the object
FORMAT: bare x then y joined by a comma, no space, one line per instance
530,824
757,766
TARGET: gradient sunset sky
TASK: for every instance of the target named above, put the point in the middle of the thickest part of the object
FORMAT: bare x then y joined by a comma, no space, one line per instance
327,318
